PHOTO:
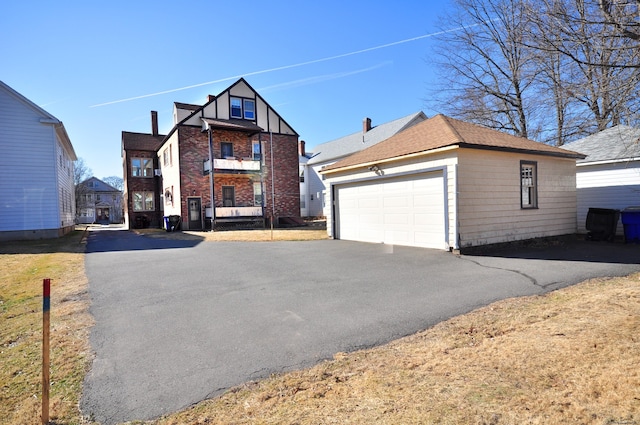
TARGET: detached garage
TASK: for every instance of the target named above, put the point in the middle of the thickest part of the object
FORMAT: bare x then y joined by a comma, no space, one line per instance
447,184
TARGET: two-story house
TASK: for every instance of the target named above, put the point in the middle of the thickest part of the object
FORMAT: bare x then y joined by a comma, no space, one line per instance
36,171
232,160
98,202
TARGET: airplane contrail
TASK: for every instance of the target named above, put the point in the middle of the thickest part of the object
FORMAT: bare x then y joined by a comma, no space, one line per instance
280,68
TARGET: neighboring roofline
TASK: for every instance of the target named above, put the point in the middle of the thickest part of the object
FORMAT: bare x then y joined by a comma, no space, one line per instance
48,119
448,148
319,151
608,161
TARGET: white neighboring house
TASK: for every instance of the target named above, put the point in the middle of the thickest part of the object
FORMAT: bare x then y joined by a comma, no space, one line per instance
36,171
99,202
313,189
609,177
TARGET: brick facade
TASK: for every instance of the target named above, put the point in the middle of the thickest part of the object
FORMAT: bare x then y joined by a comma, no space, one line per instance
138,219
194,183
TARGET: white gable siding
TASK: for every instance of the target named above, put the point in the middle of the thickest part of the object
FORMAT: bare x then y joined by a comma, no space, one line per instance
611,185
27,168
489,198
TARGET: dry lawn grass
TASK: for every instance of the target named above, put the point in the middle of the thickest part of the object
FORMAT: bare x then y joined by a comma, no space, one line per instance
23,266
567,357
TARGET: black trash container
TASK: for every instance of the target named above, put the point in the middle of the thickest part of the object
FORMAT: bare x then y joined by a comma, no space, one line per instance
173,223
602,224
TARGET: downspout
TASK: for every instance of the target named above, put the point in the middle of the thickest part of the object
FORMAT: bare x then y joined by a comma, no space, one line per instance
273,191
213,208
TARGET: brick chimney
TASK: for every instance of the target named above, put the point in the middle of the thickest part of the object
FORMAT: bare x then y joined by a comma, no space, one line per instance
301,150
210,98
154,123
366,125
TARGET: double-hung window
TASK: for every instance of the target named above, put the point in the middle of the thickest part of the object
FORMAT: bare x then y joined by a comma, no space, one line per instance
243,108
255,147
528,184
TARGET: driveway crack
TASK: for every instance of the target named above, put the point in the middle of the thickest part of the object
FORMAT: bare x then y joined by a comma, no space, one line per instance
531,279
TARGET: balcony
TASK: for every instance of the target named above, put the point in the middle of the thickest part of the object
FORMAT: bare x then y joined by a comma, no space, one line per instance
235,212
231,164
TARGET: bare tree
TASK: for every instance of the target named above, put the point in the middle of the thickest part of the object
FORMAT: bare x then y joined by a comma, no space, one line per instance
624,15
602,69
114,181
551,70
486,65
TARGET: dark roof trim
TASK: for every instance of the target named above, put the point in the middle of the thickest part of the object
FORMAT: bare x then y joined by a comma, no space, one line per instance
515,150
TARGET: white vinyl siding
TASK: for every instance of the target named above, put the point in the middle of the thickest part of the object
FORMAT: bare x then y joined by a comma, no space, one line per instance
613,185
30,179
489,196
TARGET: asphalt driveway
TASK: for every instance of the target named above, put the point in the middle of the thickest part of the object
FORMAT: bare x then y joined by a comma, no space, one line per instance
181,321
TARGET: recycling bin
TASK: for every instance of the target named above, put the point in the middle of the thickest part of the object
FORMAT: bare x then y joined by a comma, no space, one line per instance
631,222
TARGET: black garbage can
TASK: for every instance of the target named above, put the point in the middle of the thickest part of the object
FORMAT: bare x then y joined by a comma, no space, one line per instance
602,224
173,223
631,222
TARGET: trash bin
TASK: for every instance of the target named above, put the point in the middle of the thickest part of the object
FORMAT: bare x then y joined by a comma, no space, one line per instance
166,223
631,222
602,224
174,223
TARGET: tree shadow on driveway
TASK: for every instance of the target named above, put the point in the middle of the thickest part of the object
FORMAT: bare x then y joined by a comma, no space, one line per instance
124,240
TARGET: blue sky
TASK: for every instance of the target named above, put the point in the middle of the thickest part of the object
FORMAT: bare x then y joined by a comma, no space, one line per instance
323,66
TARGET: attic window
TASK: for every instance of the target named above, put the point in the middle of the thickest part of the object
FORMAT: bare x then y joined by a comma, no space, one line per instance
243,108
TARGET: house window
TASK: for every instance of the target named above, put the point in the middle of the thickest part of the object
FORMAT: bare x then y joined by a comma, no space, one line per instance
529,184
257,194
249,109
228,196
226,149
303,204
141,167
243,108
302,176
143,201
255,145
167,159
236,107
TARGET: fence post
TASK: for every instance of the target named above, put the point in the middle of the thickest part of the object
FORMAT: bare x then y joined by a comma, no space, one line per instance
46,306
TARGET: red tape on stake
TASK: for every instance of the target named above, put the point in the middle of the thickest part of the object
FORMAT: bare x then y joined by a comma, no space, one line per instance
46,295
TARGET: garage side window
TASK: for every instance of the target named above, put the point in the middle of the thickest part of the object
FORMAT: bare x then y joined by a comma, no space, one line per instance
528,184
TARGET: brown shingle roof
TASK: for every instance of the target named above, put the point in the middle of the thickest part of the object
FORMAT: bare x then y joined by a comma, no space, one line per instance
141,141
441,131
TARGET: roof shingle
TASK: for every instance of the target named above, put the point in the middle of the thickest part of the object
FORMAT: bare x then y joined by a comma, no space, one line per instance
442,131
141,141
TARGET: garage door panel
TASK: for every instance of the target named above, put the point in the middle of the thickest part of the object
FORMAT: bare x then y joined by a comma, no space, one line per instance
402,211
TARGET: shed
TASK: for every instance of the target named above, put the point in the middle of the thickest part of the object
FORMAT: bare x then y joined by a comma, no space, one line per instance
449,184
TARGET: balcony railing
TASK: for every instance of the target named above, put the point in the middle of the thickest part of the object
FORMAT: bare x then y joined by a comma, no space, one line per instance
230,212
231,164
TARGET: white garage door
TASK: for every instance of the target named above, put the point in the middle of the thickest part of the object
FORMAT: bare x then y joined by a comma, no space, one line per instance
401,211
